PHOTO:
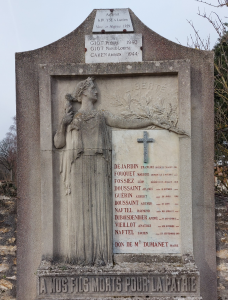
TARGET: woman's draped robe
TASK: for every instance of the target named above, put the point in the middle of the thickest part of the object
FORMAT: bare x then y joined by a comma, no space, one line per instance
86,171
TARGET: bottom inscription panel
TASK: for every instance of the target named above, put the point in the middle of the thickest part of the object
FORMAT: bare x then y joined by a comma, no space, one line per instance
118,285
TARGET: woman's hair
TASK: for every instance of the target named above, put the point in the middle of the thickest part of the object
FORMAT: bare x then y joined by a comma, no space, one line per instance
81,87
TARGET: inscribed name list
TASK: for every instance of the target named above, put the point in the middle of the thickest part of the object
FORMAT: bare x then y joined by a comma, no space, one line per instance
146,204
104,48
113,20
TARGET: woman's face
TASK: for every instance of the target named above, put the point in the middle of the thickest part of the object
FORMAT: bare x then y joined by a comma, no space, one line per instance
92,93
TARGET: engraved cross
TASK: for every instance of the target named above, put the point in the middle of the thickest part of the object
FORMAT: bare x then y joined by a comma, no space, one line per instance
145,140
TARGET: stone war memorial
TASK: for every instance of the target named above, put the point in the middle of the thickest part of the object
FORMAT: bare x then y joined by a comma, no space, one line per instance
115,163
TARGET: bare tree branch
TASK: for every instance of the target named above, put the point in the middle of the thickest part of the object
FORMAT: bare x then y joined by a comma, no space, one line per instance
197,42
217,23
220,89
220,3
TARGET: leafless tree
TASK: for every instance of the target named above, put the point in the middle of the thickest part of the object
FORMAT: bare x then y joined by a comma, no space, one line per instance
220,86
8,153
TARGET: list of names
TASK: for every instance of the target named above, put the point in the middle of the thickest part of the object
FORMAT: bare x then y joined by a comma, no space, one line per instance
104,48
146,204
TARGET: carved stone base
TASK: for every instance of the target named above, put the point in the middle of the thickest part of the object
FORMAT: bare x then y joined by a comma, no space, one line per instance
155,281
125,298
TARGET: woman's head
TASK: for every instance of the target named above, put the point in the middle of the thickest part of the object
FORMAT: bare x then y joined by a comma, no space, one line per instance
85,87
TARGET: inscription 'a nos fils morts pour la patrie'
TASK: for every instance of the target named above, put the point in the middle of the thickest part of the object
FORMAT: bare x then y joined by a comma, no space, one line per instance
116,285
146,216
112,20
102,48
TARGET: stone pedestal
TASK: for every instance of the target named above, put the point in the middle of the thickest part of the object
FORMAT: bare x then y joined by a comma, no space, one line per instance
153,278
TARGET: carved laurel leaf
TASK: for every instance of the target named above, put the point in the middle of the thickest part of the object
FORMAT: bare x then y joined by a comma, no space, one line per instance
132,107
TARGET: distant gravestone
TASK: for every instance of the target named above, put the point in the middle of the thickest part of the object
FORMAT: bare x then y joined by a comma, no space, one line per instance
115,135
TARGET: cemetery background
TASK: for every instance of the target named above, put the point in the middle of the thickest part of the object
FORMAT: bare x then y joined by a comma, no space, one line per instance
221,210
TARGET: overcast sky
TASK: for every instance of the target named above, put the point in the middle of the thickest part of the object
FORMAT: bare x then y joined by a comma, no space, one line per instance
28,25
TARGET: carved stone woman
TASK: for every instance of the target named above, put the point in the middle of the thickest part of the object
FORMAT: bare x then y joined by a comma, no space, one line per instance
86,170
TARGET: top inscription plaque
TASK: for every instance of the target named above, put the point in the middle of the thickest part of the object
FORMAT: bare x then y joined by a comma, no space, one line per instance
113,20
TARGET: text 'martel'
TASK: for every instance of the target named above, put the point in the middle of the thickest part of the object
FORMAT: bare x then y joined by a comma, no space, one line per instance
113,20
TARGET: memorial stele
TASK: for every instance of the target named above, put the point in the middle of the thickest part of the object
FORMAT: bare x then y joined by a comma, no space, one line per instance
115,165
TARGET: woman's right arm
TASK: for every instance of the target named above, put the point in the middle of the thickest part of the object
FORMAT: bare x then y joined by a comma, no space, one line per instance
60,136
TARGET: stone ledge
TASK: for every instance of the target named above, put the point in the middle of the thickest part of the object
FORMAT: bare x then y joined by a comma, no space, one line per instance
123,298
48,268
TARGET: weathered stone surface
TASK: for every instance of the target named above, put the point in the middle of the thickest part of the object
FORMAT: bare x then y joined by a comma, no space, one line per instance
69,53
140,298
149,87
125,283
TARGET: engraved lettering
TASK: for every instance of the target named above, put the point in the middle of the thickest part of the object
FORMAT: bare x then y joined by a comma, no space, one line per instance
113,284
123,224
43,286
184,286
167,283
73,285
102,284
173,285
58,282
119,244
193,284
139,284
86,284
145,284
64,285
108,285
123,195
80,289
133,284
53,285
159,285
153,288
118,284
128,282
95,285
130,217
178,284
